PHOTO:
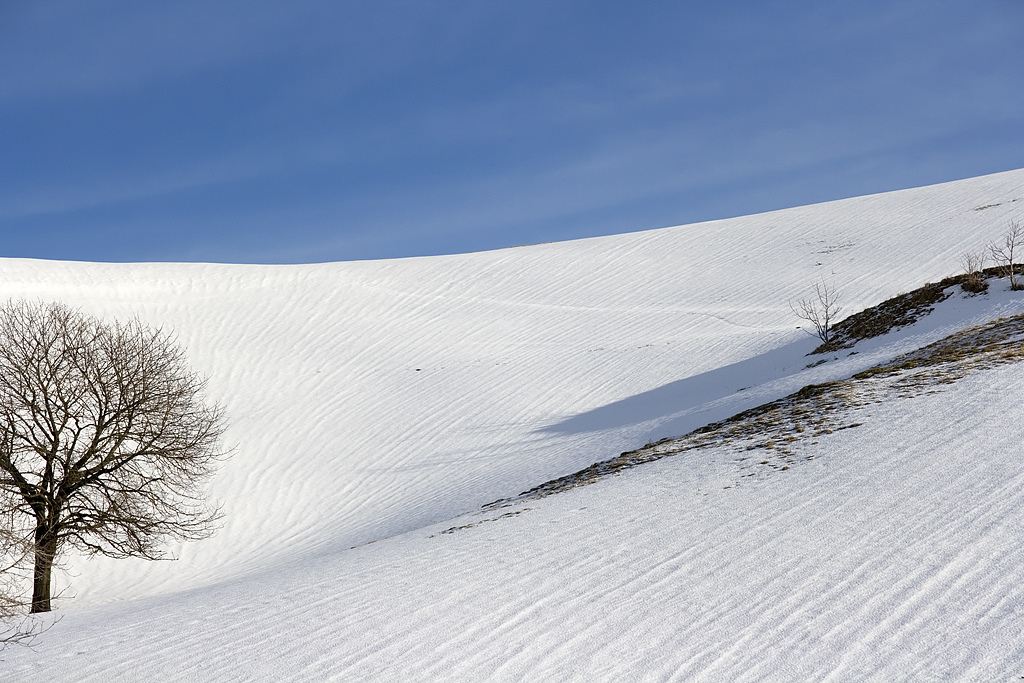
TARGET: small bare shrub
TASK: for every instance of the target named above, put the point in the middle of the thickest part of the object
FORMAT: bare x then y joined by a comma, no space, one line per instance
821,310
973,264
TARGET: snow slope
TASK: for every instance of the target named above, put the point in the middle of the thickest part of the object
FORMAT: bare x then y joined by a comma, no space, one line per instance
376,401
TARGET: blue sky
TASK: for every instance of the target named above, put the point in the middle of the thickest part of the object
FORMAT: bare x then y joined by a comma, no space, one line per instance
277,132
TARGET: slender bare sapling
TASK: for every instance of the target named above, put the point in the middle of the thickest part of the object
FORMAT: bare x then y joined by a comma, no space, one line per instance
821,311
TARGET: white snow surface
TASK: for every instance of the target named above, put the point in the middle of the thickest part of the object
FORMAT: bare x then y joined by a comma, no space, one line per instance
375,404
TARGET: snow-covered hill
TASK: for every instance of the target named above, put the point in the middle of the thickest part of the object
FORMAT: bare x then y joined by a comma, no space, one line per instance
375,405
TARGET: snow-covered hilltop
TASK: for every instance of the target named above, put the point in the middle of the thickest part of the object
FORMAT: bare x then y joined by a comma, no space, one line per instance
376,405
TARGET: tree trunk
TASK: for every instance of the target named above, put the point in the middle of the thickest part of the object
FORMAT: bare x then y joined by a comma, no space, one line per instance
45,551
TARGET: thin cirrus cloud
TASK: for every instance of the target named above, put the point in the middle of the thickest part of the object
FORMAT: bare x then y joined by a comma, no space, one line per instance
307,131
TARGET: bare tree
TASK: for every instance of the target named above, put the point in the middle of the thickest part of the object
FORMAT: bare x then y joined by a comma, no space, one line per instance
1006,254
821,311
973,264
105,437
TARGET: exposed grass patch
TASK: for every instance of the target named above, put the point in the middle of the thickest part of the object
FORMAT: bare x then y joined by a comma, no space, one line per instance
985,345
453,529
899,311
904,309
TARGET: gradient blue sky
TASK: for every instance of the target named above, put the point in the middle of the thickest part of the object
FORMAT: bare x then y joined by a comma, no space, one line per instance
274,132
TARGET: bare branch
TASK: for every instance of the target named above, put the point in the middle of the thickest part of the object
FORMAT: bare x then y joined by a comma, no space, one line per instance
16,628
24,631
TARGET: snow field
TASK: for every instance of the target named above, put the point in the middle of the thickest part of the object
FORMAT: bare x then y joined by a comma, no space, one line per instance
378,401
893,555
